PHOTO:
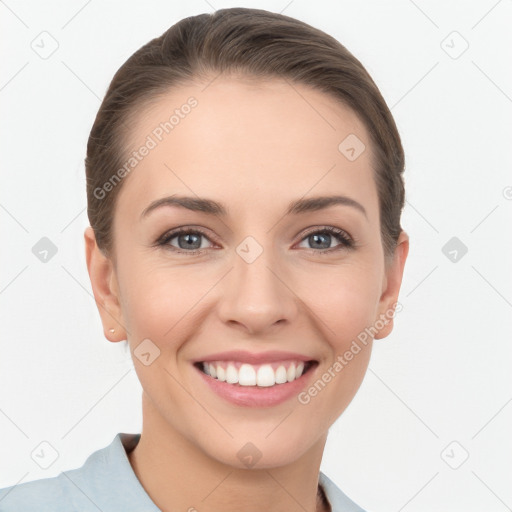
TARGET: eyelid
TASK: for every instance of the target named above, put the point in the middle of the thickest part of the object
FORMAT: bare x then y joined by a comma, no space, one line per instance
331,229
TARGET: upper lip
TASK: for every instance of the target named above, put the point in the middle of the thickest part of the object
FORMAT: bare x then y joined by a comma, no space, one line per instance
253,357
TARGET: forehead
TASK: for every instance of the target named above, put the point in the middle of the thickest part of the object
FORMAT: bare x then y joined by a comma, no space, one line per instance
238,139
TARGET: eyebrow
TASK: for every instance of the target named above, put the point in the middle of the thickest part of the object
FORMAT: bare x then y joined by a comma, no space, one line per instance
212,207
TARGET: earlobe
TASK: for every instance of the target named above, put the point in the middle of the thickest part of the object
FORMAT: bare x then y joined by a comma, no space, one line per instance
103,282
389,304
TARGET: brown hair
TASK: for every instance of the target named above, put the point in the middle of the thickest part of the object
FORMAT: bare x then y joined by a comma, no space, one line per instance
255,43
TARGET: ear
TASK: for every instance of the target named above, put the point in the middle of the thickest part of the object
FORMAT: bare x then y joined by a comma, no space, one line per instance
391,287
105,288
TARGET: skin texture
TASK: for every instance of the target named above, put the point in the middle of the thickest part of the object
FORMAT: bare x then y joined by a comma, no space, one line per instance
254,146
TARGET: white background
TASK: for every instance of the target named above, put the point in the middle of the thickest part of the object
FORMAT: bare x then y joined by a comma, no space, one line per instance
443,375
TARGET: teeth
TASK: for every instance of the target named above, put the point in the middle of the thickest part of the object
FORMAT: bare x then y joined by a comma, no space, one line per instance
281,377
231,374
247,375
221,374
290,374
265,375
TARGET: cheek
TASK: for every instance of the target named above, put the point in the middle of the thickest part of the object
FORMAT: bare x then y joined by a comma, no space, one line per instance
158,301
341,380
346,304
348,307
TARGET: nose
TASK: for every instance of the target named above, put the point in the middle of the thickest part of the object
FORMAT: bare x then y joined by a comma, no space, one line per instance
257,297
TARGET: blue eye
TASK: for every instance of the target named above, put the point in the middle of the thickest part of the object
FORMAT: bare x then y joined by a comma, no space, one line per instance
190,240
324,237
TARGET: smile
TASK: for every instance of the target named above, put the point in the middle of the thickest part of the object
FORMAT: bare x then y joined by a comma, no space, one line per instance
256,379
260,375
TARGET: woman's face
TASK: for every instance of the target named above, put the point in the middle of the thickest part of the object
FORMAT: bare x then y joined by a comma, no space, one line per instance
252,276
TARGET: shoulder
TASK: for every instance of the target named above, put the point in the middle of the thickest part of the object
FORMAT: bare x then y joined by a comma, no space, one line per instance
338,500
45,495
104,482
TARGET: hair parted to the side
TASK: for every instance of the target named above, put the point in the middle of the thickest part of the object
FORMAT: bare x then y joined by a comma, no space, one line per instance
253,43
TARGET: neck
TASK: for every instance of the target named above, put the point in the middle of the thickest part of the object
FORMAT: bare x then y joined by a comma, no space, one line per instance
178,475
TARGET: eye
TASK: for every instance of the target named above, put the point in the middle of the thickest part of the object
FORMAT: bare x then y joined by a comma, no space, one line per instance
188,240
321,239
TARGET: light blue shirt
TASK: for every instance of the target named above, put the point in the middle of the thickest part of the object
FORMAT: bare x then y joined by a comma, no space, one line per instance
107,483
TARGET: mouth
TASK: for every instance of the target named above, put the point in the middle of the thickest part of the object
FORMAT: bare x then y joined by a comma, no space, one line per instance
256,379
263,375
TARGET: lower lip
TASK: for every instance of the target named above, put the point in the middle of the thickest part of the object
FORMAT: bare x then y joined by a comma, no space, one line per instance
255,396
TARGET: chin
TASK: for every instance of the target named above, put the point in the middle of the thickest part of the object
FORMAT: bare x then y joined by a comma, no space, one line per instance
259,450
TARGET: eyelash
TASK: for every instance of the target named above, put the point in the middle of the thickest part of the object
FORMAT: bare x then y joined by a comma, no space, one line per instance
346,241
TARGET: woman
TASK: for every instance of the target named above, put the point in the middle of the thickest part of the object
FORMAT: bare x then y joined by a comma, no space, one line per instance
244,185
